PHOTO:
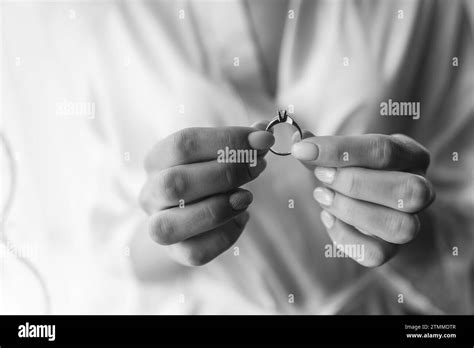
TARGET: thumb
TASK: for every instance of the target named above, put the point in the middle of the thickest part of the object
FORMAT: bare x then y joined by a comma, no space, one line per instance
297,138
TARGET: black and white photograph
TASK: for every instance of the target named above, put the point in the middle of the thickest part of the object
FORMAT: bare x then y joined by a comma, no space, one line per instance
237,160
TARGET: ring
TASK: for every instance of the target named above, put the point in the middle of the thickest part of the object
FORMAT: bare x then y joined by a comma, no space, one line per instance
283,118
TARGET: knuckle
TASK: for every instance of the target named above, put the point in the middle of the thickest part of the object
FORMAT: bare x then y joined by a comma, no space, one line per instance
402,227
417,192
161,230
374,257
232,175
345,206
410,226
381,151
195,257
425,158
229,237
212,214
172,184
185,143
393,223
228,138
352,184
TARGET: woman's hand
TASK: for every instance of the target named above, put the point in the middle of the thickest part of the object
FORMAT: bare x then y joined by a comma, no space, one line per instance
372,188
194,201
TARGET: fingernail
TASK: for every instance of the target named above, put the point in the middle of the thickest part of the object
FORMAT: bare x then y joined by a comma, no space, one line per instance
261,140
305,151
323,196
327,219
257,168
240,200
242,219
325,174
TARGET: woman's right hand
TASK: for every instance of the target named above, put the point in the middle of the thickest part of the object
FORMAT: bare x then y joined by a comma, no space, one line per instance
195,205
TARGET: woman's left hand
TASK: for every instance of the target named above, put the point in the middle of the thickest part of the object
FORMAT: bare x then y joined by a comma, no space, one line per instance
372,188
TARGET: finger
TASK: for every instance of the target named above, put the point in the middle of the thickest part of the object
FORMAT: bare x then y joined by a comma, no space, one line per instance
397,190
296,137
413,146
199,250
177,224
390,225
262,125
374,151
188,183
193,145
368,251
